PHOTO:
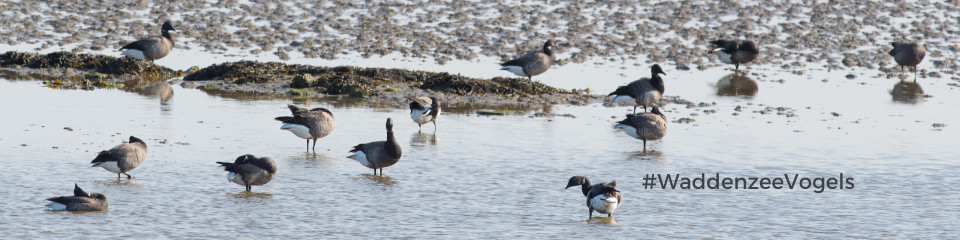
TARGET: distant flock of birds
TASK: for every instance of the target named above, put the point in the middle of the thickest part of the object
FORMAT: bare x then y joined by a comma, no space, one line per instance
249,170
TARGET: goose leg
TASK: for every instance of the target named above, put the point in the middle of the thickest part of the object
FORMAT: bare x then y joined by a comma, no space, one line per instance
609,215
644,144
118,176
634,109
128,175
314,144
915,73
434,125
591,213
420,126
248,188
736,67
308,145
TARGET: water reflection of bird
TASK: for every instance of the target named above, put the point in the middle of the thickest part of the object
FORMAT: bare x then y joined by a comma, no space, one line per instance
309,124
152,48
80,201
644,92
249,170
735,52
157,89
379,154
420,137
736,85
122,158
907,92
602,197
532,63
645,126
424,110
908,55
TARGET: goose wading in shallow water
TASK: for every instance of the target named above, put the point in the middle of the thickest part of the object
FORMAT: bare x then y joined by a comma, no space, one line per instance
533,63
80,201
908,55
734,52
424,110
308,124
602,197
379,154
644,92
249,170
151,48
122,158
645,126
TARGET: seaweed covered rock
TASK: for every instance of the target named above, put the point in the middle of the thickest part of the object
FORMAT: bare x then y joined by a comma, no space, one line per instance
353,80
86,62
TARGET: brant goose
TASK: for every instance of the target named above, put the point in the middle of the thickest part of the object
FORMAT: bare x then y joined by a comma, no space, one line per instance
249,170
122,158
645,126
379,154
308,124
643,92
735,52
533,63
151,48
601,197
80,201
424,110
908,54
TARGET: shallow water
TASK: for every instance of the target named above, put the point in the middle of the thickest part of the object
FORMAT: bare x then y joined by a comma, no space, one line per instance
500,176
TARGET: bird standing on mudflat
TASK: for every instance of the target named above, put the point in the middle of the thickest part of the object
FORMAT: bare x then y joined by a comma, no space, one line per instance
645,126
533,63
308,124
602,197
249,170
379,154
734,52
644,92
909,55
424,110
152,48
122,158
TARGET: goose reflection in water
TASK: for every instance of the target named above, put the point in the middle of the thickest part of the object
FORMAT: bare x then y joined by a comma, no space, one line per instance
424,138
907,92
157,89
736,85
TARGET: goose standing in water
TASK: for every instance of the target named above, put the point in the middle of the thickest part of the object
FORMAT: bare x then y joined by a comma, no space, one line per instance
645,126
248,170
379,154
643,92
424,110
308,124
122,158
734,52
80,201
533,63
909,55
602,197
151,48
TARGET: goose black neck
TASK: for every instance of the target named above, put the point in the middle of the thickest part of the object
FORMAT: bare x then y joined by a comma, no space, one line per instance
657,83
585,186
391,146
166,34
547,50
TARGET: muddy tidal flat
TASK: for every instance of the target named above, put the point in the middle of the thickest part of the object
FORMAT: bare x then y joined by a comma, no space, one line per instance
823,100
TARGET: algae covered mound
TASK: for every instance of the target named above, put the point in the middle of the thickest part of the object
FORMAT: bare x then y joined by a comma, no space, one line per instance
347,80
85,62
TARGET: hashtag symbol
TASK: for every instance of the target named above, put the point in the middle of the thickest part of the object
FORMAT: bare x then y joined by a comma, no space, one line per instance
649,181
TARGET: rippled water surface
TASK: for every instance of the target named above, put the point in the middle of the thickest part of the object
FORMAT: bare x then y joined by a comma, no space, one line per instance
501,176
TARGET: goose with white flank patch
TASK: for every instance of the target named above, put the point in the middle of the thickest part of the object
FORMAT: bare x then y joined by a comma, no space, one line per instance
249,170
80,201
379,154
909,55
152,48
602,197
644,92
645,126
309,124
122,158
735,52
424,110
533,63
